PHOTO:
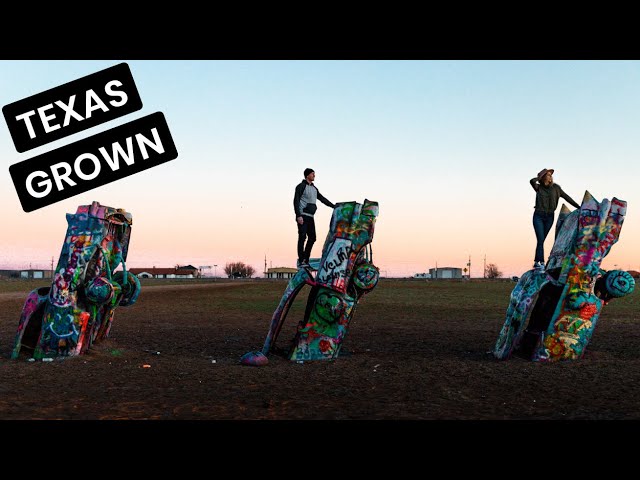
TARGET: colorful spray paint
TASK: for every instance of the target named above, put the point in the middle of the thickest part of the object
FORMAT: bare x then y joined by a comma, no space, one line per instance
77,310
344,274
553,313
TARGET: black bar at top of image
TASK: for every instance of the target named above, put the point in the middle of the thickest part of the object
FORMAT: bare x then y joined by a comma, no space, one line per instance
110,94
152,128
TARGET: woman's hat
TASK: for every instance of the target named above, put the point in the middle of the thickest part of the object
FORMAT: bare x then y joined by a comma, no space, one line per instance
544,171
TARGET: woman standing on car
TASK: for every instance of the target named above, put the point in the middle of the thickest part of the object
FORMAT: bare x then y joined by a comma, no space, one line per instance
548,194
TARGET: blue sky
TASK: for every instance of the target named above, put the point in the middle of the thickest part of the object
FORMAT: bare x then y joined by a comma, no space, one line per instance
446,147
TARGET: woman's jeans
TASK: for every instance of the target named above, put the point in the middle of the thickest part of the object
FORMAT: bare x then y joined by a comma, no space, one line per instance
542,223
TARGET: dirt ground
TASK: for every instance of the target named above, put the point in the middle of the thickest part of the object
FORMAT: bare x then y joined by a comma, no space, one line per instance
415,350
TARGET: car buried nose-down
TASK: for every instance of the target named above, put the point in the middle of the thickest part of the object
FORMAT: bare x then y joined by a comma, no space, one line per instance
77,310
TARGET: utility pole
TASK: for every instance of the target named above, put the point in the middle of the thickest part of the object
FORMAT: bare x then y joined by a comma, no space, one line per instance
484,271
52,267
265,265
469,265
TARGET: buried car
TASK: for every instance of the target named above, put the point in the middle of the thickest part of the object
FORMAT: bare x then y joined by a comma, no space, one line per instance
77,310
343,275
553,312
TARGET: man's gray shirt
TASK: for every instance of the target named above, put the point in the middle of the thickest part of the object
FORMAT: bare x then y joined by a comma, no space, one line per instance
305,197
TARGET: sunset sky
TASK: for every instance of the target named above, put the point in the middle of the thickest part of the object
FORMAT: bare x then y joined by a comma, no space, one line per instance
446,147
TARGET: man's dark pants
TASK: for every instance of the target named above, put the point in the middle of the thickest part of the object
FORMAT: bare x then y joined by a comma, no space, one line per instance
306,230
542,223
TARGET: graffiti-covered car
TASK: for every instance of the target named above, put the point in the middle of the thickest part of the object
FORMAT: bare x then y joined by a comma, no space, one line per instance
77,310
553,312
338,281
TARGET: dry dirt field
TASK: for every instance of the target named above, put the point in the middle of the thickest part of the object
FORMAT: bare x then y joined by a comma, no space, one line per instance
415,350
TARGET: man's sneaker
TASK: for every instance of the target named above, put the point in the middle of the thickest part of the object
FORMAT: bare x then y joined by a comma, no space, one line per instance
304,264
538,266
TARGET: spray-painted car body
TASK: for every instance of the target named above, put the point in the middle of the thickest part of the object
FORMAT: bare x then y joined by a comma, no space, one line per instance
344,274
77,310
553,312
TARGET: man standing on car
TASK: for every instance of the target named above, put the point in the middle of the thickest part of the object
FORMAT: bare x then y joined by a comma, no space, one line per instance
304,204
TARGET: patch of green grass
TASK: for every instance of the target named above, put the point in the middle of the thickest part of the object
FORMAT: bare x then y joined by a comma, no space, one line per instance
405,296
20,285
189,281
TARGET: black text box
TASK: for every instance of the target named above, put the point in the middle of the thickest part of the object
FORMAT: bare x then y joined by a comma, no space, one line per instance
80,104
92,162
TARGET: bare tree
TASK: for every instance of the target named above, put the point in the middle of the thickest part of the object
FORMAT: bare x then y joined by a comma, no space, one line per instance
239,270
491,271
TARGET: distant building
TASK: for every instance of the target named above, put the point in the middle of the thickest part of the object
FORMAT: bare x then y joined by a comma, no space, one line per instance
27,273
422,275
445,272
154,272
195,271
280,272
